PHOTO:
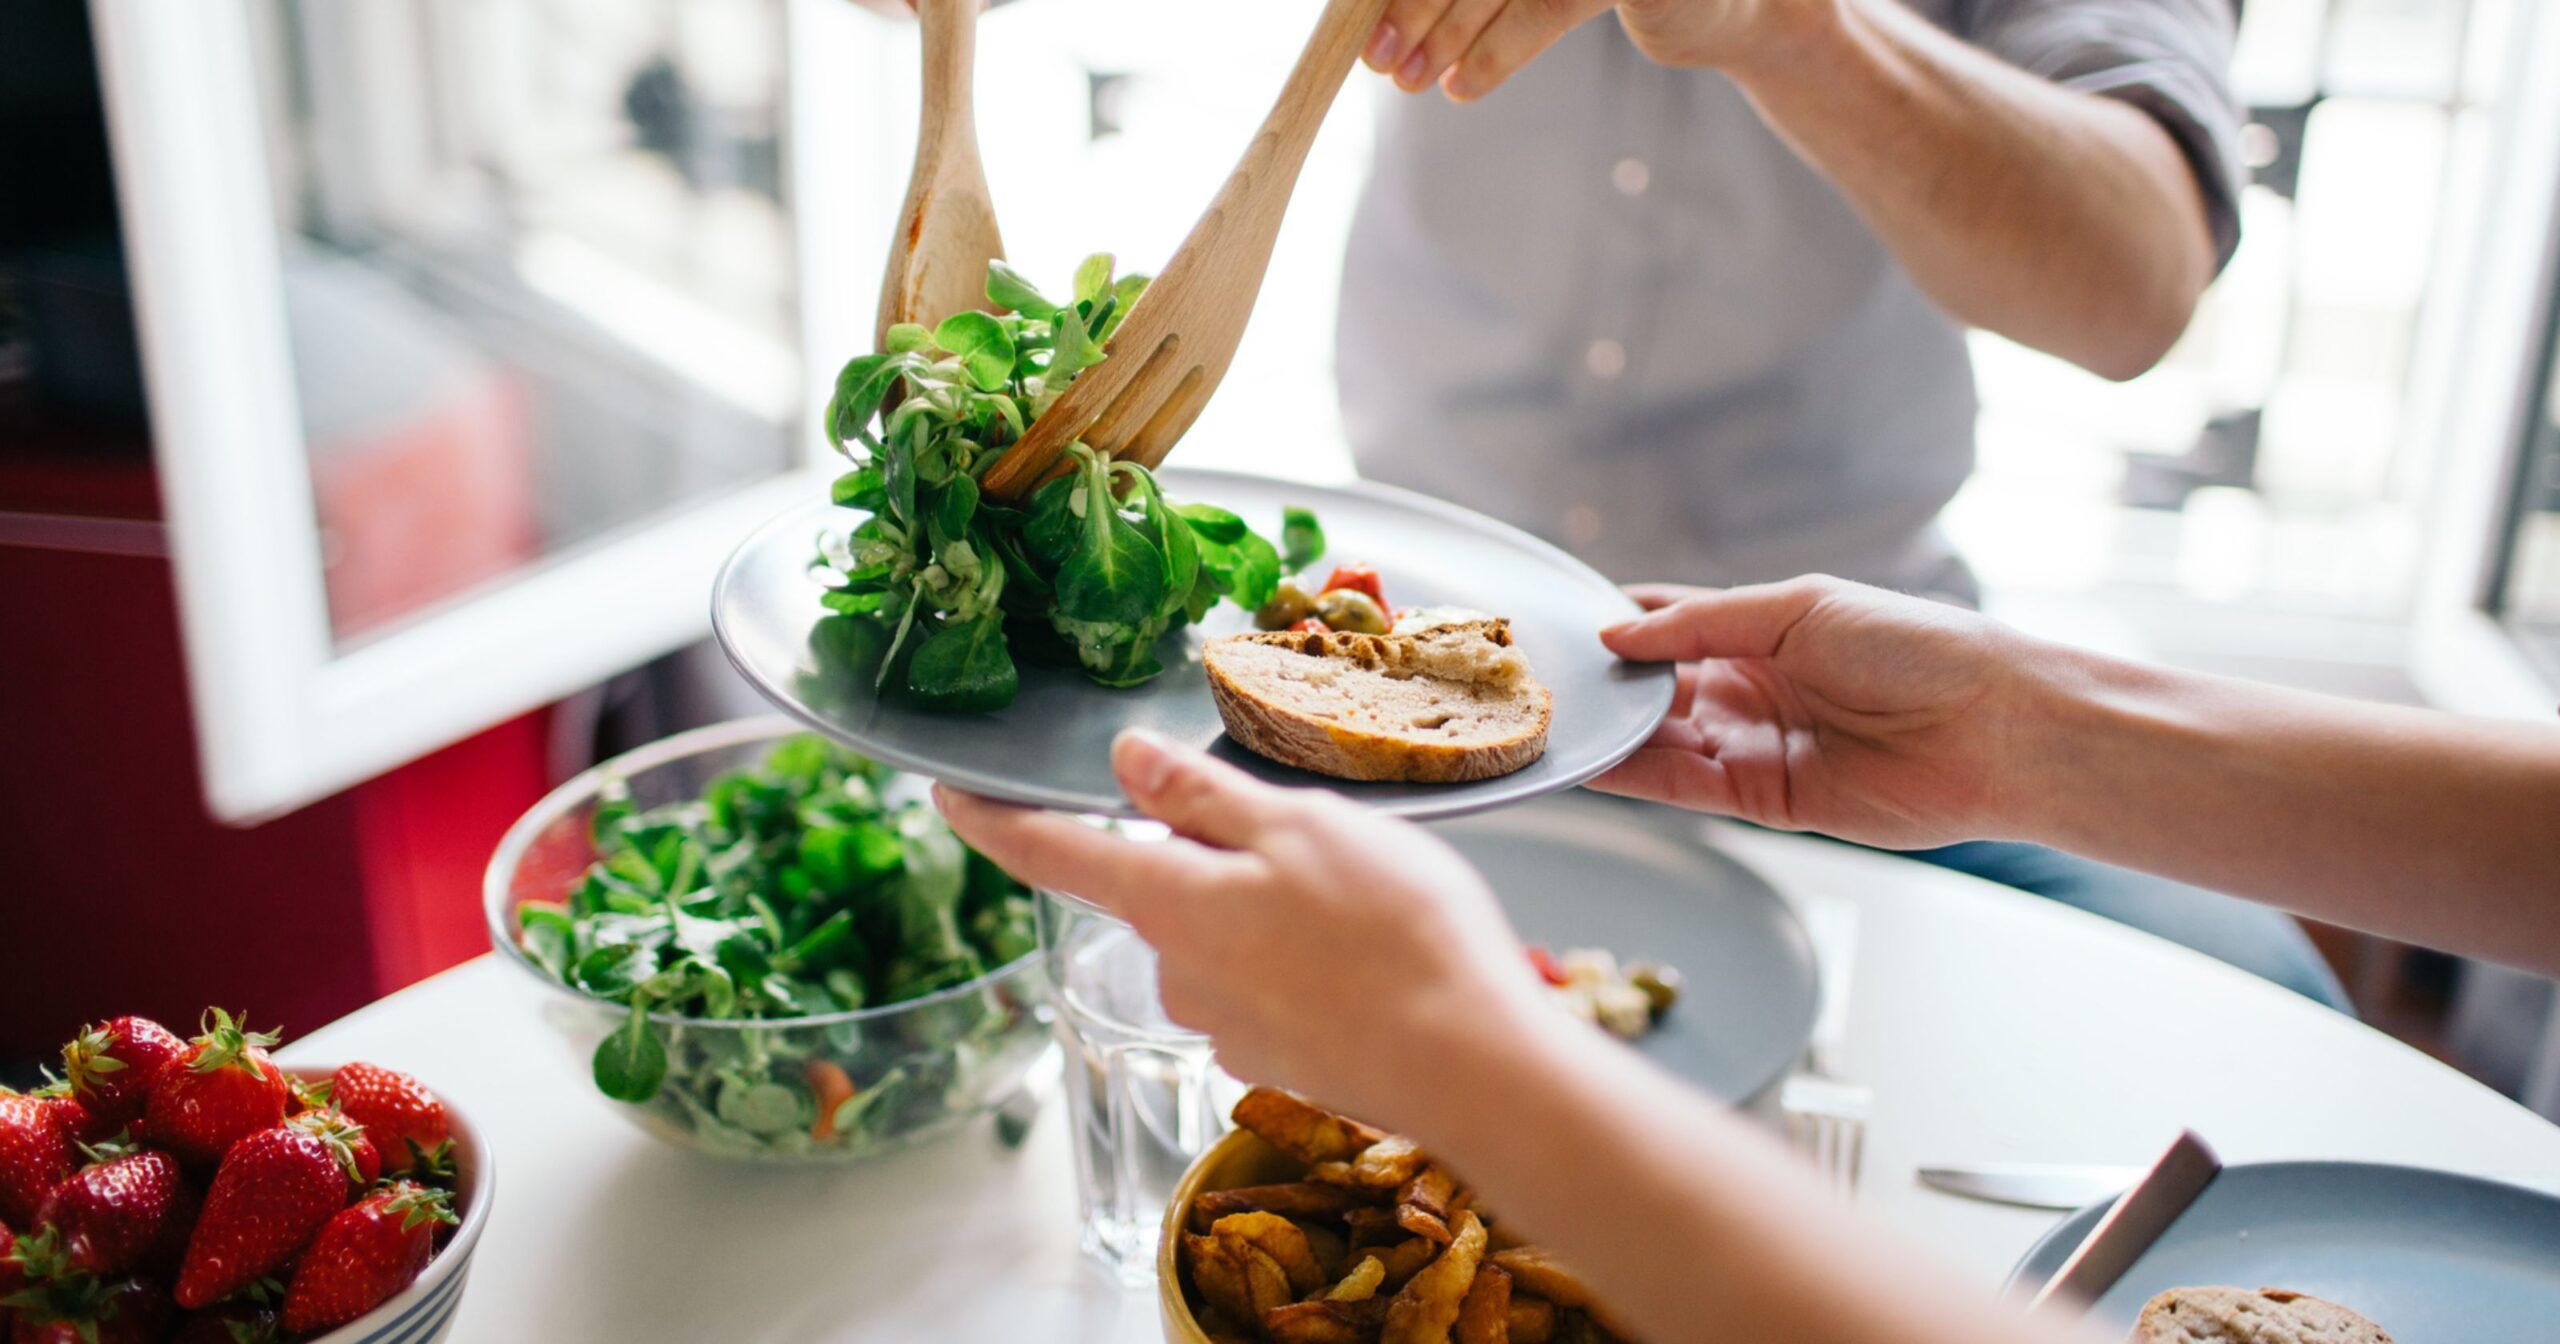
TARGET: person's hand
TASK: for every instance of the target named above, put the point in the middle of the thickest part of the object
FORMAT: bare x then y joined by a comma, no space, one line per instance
1324,947
1469,47
1821,705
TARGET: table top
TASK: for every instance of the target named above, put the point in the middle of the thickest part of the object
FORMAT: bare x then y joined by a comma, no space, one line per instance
1993,1026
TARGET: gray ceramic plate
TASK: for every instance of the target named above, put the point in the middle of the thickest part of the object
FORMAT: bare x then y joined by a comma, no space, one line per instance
2431,1257
1051,746
1586,870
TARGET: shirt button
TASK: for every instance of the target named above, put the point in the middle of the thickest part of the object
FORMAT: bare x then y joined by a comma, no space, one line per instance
1605,359
1631,177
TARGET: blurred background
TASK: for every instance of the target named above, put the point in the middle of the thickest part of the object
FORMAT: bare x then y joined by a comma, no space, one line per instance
476,326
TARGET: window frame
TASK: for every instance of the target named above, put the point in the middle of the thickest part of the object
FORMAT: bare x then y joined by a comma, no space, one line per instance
2496,361
283,715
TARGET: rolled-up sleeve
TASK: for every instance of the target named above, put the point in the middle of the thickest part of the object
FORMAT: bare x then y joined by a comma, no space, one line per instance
2171,58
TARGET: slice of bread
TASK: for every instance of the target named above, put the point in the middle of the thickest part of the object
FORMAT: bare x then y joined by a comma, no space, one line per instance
2238,1316
1443,705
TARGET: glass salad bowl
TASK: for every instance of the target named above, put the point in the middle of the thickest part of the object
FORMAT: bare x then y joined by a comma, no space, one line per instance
723,1026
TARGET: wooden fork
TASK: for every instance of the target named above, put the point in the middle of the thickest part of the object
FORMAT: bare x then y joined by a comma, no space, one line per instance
947,228
1178,339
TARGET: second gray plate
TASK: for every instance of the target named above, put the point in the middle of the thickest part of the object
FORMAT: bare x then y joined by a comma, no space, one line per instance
1051,747
1586,870
2430,1256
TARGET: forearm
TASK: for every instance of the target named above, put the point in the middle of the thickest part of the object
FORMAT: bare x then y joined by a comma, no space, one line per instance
2421,826
2068,222
1688,1221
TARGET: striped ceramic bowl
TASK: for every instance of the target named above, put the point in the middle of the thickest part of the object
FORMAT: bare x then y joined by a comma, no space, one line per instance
423,1312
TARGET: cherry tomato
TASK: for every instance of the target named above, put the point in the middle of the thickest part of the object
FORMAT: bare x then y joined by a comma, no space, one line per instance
1312,626
1360,577
1545,961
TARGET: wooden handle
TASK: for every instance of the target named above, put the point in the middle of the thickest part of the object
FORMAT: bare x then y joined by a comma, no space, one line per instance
949,29
946,227
1332,49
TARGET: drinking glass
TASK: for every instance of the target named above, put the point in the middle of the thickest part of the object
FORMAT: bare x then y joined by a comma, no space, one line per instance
1144,1096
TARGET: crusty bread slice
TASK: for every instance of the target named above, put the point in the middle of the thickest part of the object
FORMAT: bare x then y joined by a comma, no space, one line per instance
2238,1316
1448,704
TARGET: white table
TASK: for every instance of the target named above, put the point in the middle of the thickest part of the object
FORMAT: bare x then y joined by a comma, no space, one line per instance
1992,1026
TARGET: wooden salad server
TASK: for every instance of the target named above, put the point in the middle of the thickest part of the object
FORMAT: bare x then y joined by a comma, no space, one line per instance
947,228
1175,344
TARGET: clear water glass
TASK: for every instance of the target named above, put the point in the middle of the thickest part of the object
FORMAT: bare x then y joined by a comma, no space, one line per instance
1144,1096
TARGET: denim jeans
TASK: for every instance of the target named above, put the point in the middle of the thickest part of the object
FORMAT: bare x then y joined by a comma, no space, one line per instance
2262,941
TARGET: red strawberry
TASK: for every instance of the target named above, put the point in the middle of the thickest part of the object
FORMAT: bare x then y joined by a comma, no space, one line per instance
332,1124
226,1090
112,1067
274,1191
130,1210
82,1310
401,1113
36,1152
365,1254
84,1126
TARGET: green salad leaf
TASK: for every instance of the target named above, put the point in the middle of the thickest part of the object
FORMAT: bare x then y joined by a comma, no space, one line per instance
793,889
1096,566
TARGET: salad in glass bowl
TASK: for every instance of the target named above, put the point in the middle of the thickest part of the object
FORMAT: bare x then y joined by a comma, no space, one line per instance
768,947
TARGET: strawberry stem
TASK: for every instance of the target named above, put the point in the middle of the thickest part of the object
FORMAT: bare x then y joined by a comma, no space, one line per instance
226,1041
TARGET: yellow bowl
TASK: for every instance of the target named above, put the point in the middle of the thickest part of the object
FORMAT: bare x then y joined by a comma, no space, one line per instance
1240,1159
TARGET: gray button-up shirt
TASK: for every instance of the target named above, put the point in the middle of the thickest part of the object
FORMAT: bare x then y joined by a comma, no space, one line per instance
1607,304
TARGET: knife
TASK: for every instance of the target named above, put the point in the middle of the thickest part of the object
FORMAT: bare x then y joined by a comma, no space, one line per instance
2133,1224
2032,1185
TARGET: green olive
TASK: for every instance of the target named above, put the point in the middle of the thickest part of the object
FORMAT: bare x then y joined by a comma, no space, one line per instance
1352,612
1289,604
1660,983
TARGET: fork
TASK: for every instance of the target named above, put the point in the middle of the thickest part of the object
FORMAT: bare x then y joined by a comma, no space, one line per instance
1823,1114
1826,1122
947,226
1176,342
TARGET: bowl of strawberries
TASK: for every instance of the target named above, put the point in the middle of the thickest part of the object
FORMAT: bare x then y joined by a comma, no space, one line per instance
171,1190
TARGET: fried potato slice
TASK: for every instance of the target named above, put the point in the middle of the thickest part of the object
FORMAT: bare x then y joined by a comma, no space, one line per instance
1430,1190
1283,1241
1325,1322
1423,1203
1532,1270
1533,1319
1298,1199
1420,1224
1301,1129
1372,1226
1425,1308
1404,1260
1384,1165
1388,1163
1361,1283
1333,1254
1266,1285
1485,1316
1219,1276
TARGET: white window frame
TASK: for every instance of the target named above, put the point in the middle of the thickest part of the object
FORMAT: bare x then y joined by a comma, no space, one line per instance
2462,657
283,716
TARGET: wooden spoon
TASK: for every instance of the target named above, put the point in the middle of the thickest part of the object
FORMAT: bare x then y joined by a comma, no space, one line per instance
947,228
1178,339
